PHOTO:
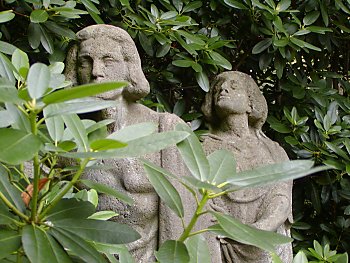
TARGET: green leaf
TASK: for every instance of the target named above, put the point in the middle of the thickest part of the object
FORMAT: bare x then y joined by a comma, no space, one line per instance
235,4
40,247
46,40
7,48
146,43
248,235
103,215
137,147
163,50
20,120
101,188
172,251
202,80
97,230
6,16
184,63
283,5
71,208
201,184
109,250
8,92
78,106
10,192
17,146
5,216
165,190
90,6
38,16
77,246
55,125
273,173
82,91
38,80
60,30
34,35
222,166
193,154
20,60
311,17
198,249
10,241
192,6
76,127
337,150
262,45
220,60
275,258
133,132
300,258
6,68
106,144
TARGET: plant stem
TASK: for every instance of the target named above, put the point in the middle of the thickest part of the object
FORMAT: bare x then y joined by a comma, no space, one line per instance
12,207
66,189
197,214
36,166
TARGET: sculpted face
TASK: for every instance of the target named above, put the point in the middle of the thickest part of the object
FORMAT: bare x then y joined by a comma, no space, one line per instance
230,97
102,60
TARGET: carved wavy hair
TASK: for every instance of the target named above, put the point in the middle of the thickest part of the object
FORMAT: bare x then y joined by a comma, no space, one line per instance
139,86
258,107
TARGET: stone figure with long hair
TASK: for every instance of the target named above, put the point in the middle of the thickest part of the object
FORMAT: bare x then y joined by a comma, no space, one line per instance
107,53
235,111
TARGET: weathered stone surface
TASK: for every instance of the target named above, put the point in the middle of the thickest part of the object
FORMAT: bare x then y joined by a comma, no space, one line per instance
235,111
107,53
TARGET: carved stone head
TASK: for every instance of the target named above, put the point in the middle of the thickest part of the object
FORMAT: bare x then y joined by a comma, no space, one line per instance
234,92
107,53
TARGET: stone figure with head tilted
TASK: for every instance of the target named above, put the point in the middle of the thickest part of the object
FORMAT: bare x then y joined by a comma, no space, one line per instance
235,111
107,53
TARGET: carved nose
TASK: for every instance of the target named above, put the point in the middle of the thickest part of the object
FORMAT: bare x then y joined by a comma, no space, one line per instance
97,70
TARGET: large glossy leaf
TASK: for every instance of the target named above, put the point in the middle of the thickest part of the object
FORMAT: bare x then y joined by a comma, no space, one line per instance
46,40
198,249
193,155
6,48
106,144
76,127
288,170
77,245
6,68
34,34
82,91
8,92
10,192
220,60
300,257
98,231
19,119
262,45
6,16
198,184
133,132
137,147
38,80
101,188
40,247
55,125
17,146
166,191
71,208
5,216
38,16
79,106
248,235
222,166
19,60
202,80
172,252
10,241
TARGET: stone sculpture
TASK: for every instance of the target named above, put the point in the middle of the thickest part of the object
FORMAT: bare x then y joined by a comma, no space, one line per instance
235,111
107,53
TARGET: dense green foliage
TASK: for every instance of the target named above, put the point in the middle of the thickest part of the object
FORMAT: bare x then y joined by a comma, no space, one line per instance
298,52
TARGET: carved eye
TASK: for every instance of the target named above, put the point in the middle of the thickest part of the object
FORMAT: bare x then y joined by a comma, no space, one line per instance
109,61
